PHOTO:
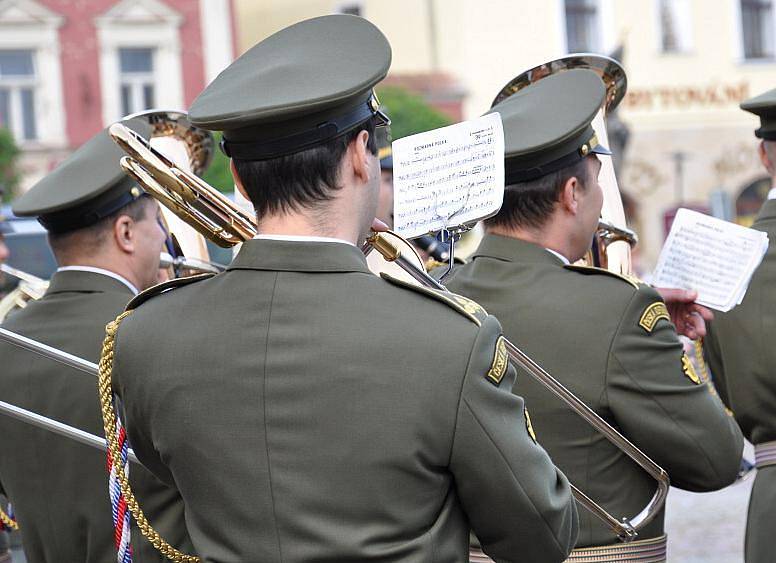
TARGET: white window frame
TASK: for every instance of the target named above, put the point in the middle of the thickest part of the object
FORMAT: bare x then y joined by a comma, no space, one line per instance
738,36
140,24
215,19
15,84
137,81
27,25
686,30
605,27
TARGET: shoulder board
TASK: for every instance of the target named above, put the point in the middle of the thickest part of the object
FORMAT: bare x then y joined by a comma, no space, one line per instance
164,287
468,308
591,270
433,263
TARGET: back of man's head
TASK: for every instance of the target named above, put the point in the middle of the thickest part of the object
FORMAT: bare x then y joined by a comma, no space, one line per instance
531,204
97,242
303,180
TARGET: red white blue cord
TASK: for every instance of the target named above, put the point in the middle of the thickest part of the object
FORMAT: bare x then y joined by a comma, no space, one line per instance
121,514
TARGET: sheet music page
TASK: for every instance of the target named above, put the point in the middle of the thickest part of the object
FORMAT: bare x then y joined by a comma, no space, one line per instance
712,256
449,176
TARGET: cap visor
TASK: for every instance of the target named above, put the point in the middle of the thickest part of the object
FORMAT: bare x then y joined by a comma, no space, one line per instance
600,149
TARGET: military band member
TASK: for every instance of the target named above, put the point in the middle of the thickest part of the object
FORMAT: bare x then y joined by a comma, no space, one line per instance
289,398
608,338
741,353
106,238
5,554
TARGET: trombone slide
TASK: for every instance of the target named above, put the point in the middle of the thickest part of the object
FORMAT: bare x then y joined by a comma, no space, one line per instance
44,422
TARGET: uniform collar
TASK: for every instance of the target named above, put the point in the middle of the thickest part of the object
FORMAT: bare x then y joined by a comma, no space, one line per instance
514,250
299,256
86,282
767,211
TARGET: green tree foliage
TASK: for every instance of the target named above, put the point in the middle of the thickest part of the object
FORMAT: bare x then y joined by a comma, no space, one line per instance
409,112
9,174
218,174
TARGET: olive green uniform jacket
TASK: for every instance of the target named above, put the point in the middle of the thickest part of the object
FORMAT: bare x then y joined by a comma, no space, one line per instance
587,328
741,349
308,410
59,488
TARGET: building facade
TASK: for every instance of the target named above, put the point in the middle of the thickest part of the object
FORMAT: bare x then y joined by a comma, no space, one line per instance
68,68
689,64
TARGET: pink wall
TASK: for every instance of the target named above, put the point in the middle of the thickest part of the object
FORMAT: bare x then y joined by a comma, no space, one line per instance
80,61
80,66
191,48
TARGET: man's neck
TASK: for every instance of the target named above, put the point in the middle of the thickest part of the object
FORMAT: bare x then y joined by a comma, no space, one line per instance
305,225
101,264
534,236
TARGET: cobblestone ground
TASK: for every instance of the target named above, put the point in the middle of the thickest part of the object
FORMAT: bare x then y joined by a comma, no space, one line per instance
708,527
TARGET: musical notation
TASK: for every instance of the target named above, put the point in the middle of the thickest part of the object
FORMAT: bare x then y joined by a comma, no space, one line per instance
447,177
712,256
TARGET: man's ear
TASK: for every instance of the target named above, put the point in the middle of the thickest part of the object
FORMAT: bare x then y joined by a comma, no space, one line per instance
124,233
765,160
237,181
359,156
569,195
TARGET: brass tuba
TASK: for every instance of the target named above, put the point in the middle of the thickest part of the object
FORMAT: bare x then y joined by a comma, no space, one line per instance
213,215
29,289
191,149
611,248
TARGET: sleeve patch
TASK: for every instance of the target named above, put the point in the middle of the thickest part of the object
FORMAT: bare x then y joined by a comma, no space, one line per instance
653,314
528,425
500,362
689,370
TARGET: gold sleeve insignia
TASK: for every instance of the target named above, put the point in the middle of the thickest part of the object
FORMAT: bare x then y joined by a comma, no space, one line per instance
500,362
689,370
653,314
528,425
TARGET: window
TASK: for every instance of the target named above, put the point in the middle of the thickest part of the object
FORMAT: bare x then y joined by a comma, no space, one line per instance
581,25
17,93
757,28
352,8
136,67
675,26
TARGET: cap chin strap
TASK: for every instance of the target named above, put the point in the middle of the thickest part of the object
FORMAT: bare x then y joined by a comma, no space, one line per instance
297,142
592,146
65,221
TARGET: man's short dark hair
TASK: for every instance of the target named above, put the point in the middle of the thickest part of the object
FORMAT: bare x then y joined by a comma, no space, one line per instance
303,179
89,239
530,204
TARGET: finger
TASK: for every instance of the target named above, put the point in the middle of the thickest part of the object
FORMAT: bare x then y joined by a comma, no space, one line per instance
705,313
378,226
676,295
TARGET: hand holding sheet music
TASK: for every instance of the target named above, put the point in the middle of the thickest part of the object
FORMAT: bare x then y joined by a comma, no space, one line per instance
712,256
449,176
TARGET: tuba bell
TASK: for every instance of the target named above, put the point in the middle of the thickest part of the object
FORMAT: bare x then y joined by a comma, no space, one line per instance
29,289
612,245
191,149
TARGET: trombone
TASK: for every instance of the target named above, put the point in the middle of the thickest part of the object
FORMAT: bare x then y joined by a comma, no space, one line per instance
218,219
45,422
